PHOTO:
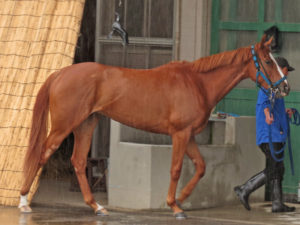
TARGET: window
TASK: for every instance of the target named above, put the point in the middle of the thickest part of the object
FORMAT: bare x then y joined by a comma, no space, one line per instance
149,24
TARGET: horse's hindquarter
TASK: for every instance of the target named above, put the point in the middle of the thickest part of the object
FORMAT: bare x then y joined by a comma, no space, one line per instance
71,95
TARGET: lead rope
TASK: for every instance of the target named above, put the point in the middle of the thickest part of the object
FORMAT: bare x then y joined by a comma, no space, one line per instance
295,120
274,152
296,117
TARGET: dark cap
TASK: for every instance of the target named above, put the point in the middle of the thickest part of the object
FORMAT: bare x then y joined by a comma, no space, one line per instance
282,62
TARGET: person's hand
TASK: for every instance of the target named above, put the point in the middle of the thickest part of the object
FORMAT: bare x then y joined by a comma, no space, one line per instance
290,112
269,118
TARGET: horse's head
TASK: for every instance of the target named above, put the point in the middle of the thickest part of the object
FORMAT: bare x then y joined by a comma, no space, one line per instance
268,74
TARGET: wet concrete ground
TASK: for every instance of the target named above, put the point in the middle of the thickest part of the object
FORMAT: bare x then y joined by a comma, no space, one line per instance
53,204
229,215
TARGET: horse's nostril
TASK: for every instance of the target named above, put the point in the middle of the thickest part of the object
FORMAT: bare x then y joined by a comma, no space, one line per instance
286,89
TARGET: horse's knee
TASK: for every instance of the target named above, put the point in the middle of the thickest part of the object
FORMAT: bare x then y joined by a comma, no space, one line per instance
175,173
200,168
79,165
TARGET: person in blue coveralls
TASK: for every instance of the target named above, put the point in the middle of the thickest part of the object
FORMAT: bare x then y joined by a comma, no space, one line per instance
274,170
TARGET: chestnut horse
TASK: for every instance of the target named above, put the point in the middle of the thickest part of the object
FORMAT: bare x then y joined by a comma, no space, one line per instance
174,99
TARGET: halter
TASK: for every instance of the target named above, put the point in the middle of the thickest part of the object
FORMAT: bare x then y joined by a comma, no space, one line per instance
266,77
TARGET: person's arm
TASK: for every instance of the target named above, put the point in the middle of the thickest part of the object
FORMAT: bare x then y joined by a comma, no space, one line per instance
269,117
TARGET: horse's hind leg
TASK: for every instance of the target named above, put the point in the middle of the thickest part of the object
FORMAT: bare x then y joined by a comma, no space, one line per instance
83,136
52,143
195,156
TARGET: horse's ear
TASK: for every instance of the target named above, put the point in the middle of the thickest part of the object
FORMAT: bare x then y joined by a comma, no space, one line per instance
264,43
263,40
267,44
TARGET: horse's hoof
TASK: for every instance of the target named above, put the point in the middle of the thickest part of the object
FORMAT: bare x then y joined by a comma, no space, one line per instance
180,216
101,212
25,209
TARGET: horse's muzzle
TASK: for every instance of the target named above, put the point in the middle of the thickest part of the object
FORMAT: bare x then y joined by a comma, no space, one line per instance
281,90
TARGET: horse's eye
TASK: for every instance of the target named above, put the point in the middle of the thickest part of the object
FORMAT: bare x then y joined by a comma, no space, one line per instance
268,61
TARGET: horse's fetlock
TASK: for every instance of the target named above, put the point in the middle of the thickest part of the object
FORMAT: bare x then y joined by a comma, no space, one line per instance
171,202
89,201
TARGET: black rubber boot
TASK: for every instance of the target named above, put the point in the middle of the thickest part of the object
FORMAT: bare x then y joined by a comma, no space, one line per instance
243,191
277,203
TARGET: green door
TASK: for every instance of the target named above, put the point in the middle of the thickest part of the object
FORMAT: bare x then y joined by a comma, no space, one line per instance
237,23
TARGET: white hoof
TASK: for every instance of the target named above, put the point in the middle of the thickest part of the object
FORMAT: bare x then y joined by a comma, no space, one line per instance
102,212
23,206
25,209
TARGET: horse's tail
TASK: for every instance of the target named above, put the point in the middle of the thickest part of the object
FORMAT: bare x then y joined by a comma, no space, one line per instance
38,133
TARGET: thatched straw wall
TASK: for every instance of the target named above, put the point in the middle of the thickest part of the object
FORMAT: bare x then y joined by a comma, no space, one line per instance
37,37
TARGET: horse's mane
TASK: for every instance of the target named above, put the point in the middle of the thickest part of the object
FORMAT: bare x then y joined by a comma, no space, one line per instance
212,62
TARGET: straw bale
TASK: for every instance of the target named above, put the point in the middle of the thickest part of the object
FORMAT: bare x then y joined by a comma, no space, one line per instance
37,37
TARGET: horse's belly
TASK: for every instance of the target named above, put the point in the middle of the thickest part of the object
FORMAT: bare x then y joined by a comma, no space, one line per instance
144,120
153,117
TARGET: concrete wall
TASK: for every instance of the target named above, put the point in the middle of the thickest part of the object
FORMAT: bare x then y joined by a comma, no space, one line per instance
139,173
194,29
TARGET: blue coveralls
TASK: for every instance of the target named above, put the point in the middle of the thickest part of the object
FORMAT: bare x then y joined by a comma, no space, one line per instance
274,170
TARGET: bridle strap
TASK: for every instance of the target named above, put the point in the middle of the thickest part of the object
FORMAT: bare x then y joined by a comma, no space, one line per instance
257,63
279,81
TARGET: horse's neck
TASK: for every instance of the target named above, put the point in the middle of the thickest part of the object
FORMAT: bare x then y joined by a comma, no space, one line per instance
227,82
219,82
218,74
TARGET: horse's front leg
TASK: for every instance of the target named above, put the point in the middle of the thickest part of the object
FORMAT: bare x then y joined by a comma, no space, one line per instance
195,156
180,142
